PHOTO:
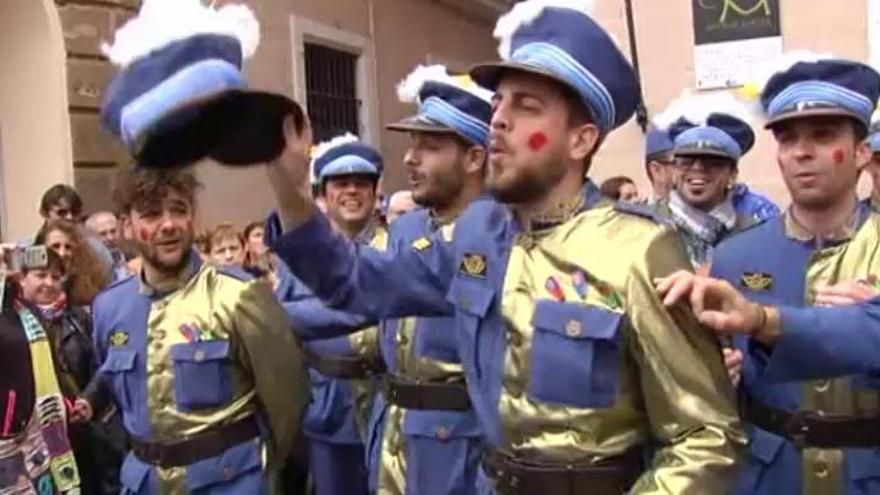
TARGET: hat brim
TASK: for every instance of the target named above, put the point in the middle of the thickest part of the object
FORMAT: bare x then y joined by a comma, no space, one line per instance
235,128
488,74
419,124
811,112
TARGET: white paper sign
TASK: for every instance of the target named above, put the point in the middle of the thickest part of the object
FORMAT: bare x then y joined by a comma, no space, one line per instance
733,63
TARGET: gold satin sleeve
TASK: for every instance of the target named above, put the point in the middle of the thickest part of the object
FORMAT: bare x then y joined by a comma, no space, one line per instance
365,344
689,400
271,352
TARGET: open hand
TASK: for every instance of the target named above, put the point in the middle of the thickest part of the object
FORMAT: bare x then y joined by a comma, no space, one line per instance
289,175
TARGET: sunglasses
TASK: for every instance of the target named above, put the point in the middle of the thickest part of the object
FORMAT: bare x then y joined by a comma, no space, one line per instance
710,162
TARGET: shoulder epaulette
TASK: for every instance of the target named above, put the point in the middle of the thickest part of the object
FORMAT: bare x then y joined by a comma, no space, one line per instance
647,211
119,282
235,272
745,223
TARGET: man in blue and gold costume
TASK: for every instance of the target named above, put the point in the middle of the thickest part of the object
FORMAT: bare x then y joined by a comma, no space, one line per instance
811,434
428,433
347,173
710,134
423,435
583,382
200,361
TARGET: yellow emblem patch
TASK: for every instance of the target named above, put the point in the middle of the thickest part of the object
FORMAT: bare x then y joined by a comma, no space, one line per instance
473,265
758,282
421,244
118,338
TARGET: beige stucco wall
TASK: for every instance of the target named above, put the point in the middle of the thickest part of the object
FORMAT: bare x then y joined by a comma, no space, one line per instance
35,149
664,34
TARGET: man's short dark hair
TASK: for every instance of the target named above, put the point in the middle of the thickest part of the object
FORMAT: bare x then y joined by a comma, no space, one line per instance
138,187
611,187
58,194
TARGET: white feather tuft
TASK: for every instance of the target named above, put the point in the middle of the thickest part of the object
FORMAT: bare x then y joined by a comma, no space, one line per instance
325,146
696,108
244,24
161,22
875,117
408,89
523,13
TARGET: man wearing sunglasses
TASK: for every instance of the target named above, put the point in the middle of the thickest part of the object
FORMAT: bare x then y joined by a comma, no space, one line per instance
709,134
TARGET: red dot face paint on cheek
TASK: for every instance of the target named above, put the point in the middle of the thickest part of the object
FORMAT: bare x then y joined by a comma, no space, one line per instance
838,156
143,235
537,141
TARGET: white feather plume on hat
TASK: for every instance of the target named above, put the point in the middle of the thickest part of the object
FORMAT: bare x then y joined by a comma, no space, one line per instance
523,13
325,146
162,22
696,108
409,88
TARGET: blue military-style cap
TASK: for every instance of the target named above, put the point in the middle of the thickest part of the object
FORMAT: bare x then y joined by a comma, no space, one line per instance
810,85
180,94
558,39
657,141
714,124
446,104
345,155
157,84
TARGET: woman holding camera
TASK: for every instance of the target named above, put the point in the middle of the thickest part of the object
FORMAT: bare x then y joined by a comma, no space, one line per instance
37,393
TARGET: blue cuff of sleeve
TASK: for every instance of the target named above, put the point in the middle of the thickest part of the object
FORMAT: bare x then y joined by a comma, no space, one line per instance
787,359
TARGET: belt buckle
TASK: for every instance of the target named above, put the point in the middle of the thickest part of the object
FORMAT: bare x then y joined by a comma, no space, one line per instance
390,390
797,428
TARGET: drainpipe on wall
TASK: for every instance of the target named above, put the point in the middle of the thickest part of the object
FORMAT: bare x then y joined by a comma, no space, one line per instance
641,110
374,94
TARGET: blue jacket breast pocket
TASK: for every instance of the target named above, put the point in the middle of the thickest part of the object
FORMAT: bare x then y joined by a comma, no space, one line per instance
575,355
119,369
200,380
472,300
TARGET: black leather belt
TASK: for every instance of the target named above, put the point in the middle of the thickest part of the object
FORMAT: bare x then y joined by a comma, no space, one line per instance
342,367
610,476
812,429
433,396
203,445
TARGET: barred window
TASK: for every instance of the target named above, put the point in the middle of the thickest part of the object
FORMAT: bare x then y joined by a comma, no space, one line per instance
331,91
